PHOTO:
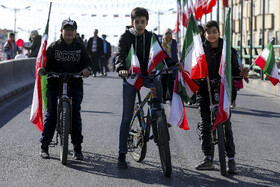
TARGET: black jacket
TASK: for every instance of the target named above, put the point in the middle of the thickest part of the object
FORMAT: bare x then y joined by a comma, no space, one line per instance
62,57
100,50
141,45
213,59
35,46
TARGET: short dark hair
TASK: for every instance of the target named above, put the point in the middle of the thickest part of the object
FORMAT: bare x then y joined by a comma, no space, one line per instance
138,12
200,28
212,23
11,34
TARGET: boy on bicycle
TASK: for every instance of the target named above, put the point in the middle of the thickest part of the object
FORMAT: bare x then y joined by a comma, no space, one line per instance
213,46
140,38
66,55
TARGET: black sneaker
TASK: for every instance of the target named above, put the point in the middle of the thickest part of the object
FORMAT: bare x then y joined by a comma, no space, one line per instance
78,152
45,151
206,164
232,167
121,161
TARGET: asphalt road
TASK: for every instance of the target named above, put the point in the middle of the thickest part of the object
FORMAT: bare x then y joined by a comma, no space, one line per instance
256,128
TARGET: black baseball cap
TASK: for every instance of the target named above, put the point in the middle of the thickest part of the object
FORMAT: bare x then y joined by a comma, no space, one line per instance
69,22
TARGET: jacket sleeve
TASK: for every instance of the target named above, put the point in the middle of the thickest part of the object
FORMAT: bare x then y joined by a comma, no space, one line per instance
50,58
121,54
89,46
234,63
7,49
100,46
85,57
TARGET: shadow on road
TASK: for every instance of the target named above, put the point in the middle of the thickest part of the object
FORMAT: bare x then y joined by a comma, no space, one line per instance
14,105
259,113
103,165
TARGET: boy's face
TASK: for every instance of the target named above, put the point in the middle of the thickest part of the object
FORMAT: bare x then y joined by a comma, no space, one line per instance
139,24
212,34
12,38
68,33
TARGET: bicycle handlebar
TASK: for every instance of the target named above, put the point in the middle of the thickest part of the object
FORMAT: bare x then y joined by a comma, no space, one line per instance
62,75
154,74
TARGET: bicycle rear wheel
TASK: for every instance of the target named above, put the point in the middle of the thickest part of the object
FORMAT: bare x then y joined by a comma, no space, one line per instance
65,121
137,145
221,147
163,143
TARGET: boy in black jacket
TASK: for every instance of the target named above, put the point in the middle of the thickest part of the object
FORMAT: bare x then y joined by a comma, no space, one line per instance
65,55
140,38
213,46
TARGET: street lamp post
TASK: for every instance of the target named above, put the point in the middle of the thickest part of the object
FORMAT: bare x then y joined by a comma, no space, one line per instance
15,11
160,13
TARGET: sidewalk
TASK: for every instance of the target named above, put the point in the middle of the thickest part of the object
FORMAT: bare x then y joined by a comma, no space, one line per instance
263,85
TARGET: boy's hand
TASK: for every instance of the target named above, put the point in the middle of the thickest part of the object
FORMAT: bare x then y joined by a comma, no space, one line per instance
244,72
41,71
85,72
180,66
123,73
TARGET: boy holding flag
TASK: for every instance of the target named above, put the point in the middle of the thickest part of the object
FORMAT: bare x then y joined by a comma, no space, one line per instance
213,47
138,52
65,55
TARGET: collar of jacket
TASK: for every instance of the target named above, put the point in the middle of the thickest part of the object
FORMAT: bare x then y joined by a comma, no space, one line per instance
220,45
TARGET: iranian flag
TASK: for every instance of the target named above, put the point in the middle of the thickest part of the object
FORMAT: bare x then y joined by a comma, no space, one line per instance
203,7
225,73
186,11
184,89
39,93
133,66
193,56
156,56
266,61
177,26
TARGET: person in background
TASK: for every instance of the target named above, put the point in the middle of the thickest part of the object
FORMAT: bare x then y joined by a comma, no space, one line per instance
65,55
104,58
169,46
35,45
79,38
95,49
237,83
10,47
20,55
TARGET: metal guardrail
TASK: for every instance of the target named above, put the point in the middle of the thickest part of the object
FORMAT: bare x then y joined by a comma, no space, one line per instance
246,57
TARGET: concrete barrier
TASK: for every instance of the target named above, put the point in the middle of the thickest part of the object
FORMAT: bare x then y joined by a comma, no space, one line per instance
264,86
15,76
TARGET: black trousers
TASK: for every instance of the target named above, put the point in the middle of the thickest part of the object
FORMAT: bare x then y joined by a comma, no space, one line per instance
51,115
95,63
204,109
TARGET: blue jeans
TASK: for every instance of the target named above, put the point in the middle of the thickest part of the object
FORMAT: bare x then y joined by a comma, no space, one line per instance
129,94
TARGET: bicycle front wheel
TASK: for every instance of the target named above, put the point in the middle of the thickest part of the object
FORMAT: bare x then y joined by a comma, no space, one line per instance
65,120
163,143
137,145
221,147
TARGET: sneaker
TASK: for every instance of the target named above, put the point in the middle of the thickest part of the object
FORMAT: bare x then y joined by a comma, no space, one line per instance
45,151
78,152
232,167
233,105
206,164
121,161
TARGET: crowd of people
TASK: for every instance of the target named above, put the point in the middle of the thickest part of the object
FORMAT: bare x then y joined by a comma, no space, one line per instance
92,56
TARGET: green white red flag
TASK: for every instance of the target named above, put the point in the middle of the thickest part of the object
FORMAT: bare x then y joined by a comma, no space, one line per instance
156,56
225,73
133,66
184,89
36,115
177,25
186,11
193,56
266,61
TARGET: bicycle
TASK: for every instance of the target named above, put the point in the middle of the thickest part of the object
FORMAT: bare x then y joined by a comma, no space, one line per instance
64,114
139,133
